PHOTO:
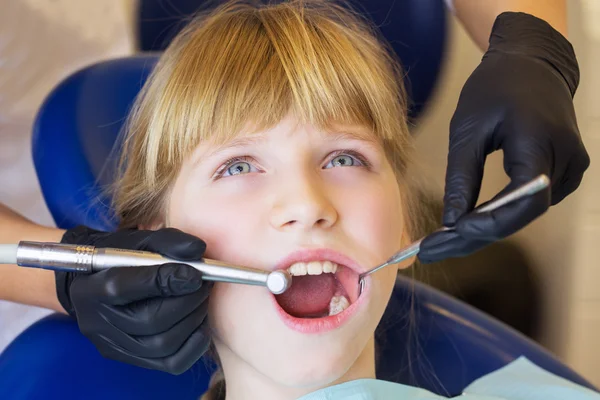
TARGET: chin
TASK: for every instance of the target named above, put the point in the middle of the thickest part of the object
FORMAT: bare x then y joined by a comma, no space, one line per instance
332,360
322,371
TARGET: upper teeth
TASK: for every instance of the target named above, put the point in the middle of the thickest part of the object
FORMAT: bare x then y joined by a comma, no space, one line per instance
312,268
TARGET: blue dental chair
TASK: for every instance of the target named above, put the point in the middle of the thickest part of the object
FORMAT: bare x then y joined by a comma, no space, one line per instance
451,345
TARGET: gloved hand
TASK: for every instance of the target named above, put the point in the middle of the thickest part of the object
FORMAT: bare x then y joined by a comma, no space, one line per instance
518,100
152,317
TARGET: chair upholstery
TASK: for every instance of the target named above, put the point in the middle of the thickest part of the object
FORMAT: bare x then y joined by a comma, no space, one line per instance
74,134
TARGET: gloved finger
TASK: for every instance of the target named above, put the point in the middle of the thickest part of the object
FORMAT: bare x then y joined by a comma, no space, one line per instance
442,245
524,159
159,345
155,315
123,285
183,359
176,244
526,156
572,177
474,231
169,242
129,239
191,351
463,175
504,221
433,247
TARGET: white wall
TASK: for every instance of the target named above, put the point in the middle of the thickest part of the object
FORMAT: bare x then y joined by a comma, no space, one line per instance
564,244
41,43
581,347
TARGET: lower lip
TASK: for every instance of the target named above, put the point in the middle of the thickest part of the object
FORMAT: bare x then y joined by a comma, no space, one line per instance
320,325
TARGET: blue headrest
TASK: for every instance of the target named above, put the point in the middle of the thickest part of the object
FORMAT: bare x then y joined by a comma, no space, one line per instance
426,338
74,134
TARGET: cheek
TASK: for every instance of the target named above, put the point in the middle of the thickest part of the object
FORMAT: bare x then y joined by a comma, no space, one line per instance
229,298
223,221
374,218
384,218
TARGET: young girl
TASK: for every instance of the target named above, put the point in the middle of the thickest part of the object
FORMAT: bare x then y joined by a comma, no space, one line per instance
277,133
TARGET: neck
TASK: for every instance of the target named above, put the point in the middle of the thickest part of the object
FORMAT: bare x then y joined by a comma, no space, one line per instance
244,382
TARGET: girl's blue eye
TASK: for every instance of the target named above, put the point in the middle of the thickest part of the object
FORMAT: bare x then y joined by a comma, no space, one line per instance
238,168
343,160
245,165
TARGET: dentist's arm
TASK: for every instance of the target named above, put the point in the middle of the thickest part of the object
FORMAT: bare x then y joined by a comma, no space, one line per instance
153,317
518,100
478,16
27,285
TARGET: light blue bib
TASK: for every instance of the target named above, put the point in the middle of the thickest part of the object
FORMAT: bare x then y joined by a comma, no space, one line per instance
519,380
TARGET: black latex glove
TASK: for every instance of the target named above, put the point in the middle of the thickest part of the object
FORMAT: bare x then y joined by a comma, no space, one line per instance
518,100
153,317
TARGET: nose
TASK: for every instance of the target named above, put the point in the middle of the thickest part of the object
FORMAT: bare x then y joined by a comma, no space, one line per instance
304,205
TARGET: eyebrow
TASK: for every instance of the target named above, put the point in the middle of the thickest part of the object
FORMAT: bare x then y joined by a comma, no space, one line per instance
240,141
244,141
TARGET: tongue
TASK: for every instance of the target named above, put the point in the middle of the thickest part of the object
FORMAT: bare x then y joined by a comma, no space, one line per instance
309,295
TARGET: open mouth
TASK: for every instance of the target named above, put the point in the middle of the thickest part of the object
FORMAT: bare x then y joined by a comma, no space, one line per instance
319,289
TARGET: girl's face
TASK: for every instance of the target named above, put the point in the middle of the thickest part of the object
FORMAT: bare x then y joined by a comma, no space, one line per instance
326,204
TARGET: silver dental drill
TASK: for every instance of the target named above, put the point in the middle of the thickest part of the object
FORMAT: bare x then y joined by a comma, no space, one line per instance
89,259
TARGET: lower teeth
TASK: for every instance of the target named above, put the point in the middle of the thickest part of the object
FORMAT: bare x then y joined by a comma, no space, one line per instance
338,304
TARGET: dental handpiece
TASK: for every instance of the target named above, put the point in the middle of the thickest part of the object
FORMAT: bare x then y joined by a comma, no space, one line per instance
89,259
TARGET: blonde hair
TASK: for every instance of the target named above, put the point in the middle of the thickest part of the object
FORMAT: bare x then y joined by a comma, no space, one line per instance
252,63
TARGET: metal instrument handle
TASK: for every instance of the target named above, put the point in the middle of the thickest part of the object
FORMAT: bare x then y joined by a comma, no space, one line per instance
88,259
531,187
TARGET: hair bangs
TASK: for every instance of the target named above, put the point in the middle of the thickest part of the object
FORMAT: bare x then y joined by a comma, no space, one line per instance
253,66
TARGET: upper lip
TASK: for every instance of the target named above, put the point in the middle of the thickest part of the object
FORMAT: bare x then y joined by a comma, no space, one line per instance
319,254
